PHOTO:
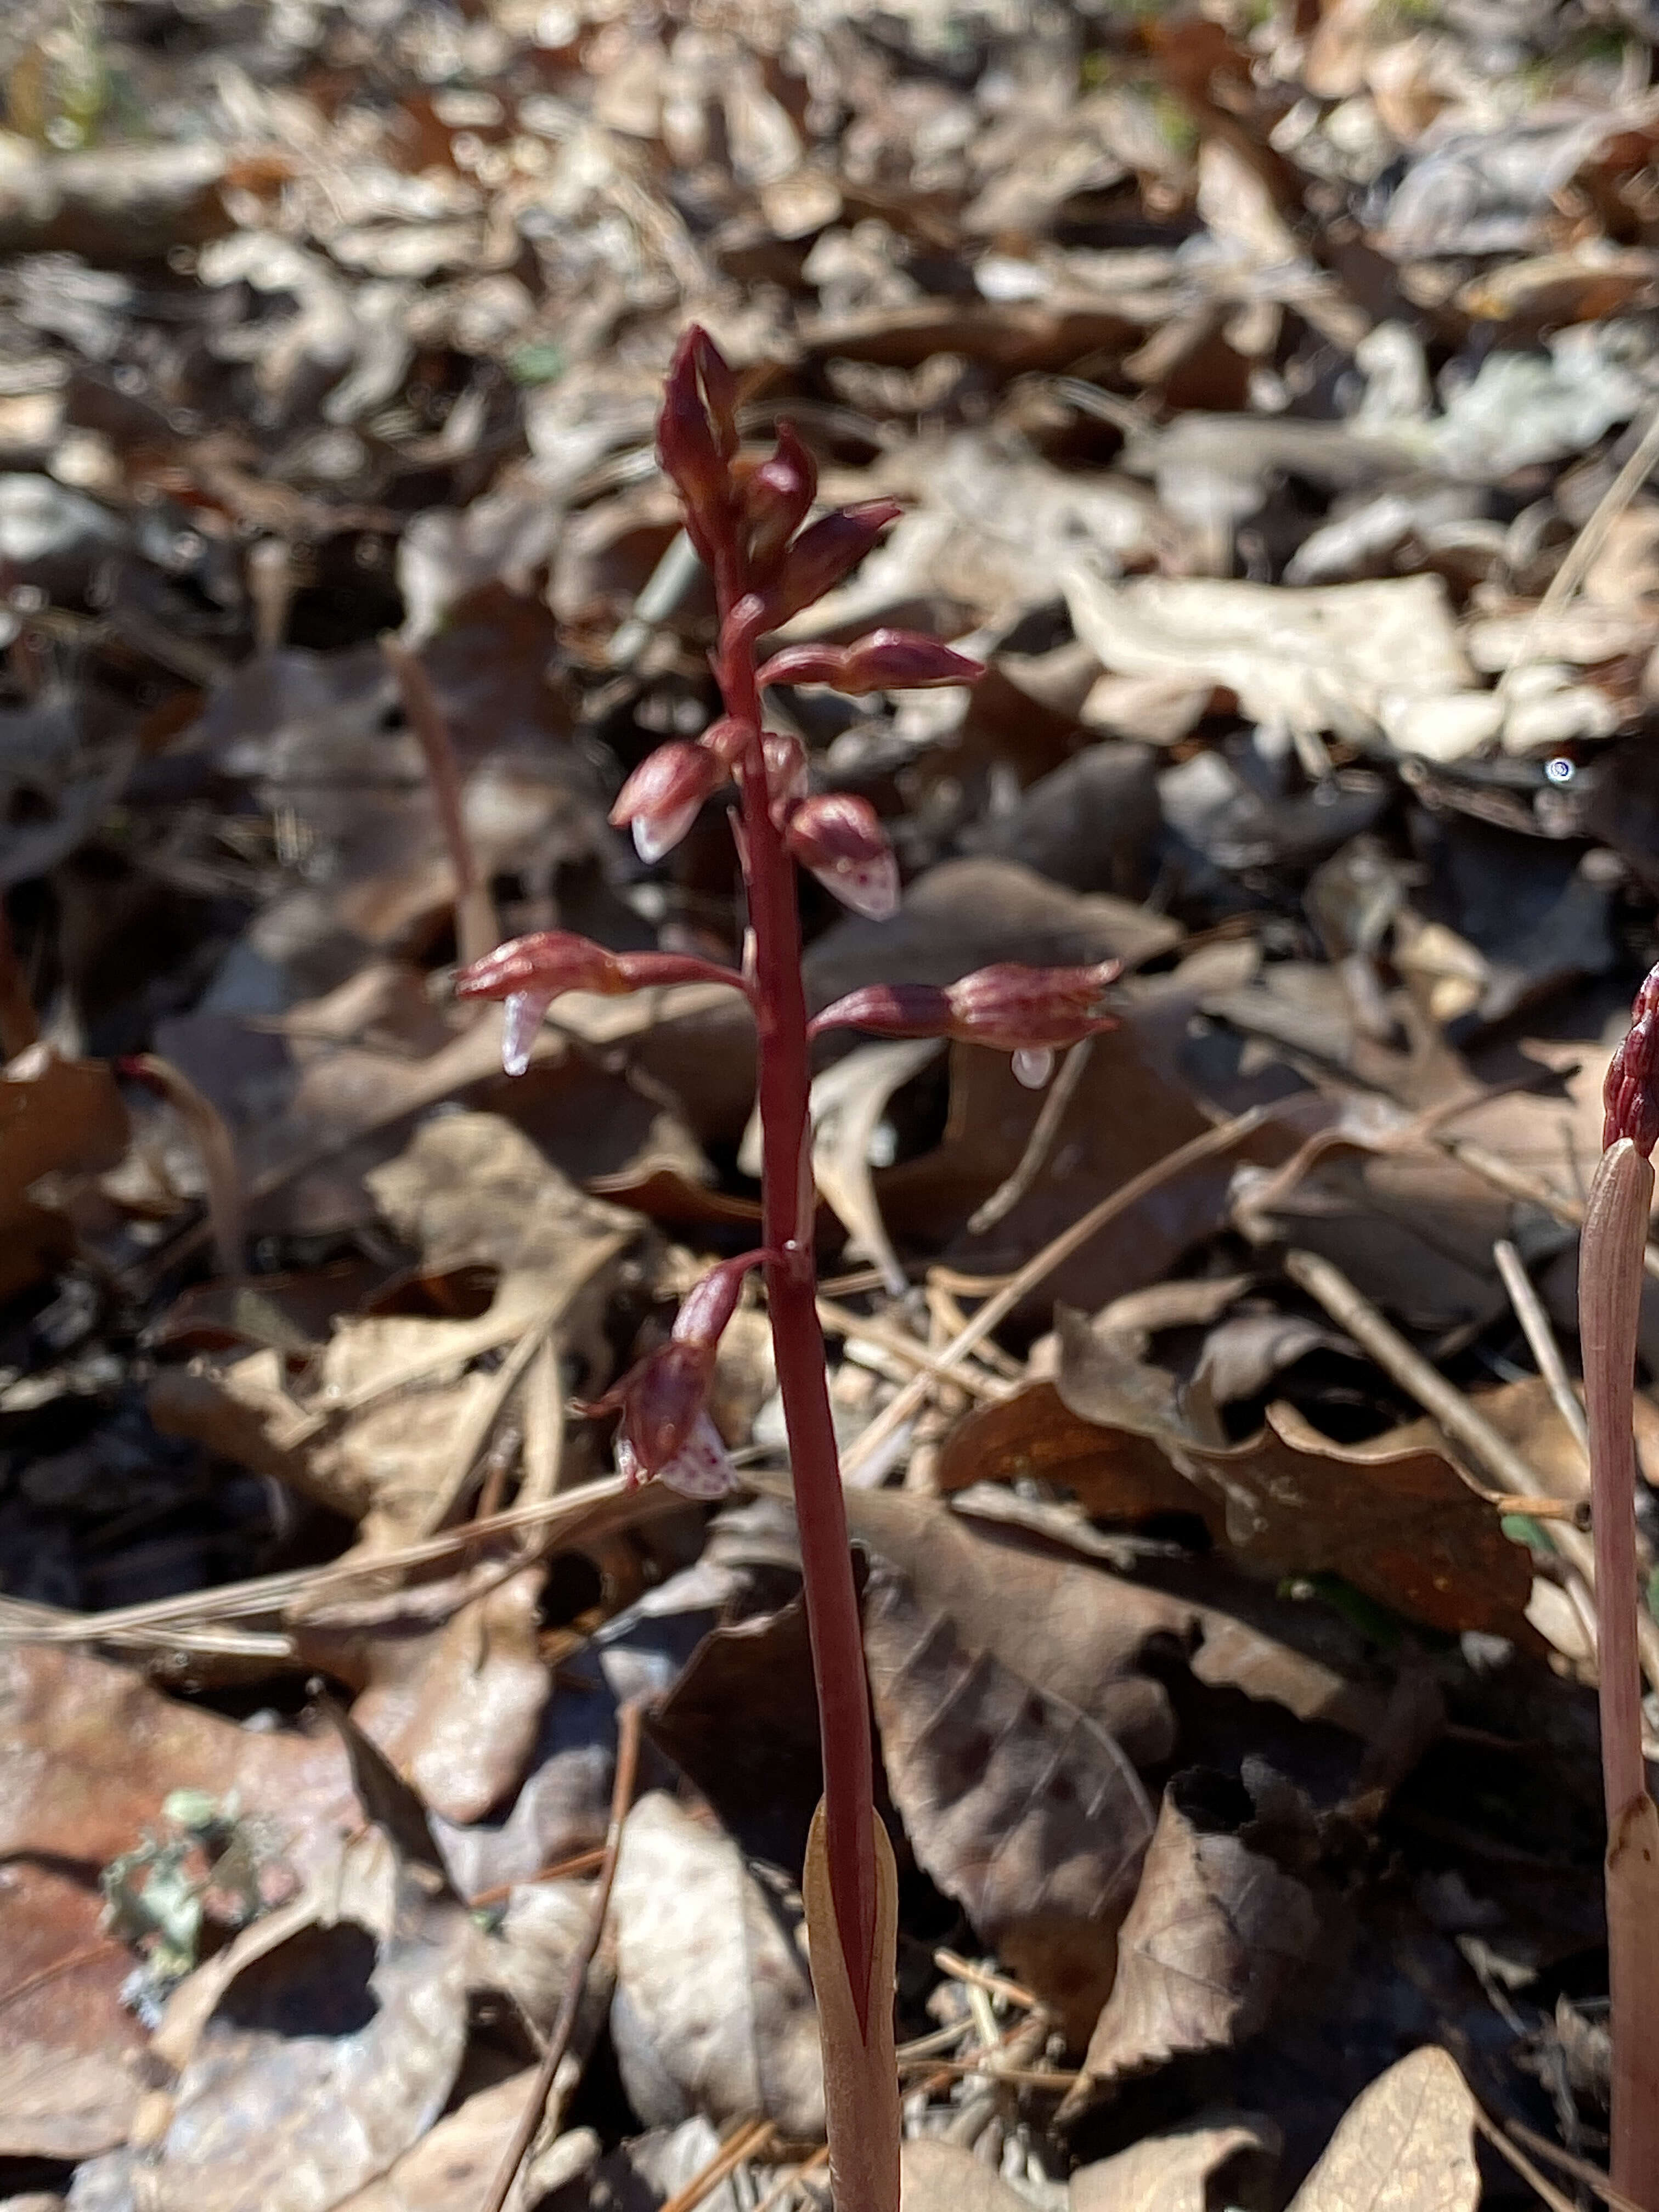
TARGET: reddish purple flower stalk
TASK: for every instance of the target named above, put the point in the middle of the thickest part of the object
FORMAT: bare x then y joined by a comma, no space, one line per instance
769,561
1610,1280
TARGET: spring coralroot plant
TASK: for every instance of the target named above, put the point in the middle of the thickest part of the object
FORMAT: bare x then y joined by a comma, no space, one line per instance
750,522
1610,1274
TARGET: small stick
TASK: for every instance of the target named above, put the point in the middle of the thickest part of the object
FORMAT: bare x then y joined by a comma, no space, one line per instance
1579,2168
1038,1145
579,1863
775,2194
997,1307
1540,1341
1516,1182
964,1970
214,1143
476,929
1547,2191
564,2025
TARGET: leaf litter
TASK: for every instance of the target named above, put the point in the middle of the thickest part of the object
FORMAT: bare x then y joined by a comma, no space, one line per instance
1270,394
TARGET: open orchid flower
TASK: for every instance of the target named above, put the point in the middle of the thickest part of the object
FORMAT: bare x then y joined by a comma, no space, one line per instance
662,799
838,838
528,973
665,1431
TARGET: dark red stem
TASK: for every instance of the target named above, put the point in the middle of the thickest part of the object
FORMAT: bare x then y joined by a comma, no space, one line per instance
787,1197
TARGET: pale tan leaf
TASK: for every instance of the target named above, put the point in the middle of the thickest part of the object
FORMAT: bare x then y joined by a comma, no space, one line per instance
1182,2170
1407,2144
1215,1932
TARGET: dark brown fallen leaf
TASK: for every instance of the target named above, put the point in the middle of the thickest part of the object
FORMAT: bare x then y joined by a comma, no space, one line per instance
1406,2145
741,1723
1392,1515
714,2011
1216,1931
1221,2158
1047,1618
1026,1812
1114,1474
58,1117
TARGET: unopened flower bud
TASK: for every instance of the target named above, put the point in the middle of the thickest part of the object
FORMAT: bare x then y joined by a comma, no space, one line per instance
1030,1012
886,660
903,660
696,435
778,498
838,837
825,551
1630,1097
660,799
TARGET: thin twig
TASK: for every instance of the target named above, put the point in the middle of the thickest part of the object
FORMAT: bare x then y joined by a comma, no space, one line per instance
579,1863
1584,549
216,1146
964,1970
915,1357
476,929
592,1507
1524,2165
775,2194
997,1307
564,2025
1579,2168
1516,1182
1038,1145
1540,1341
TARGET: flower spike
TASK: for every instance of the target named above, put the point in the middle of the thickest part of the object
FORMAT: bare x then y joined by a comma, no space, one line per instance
1629,1096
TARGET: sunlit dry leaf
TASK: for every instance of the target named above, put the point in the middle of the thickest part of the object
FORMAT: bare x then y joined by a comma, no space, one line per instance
326,2055
453,2167
947,2177
69,2088
457,1710
714,2011
1214,1935
1406,2145
89,1751
1026,1812
1191,2169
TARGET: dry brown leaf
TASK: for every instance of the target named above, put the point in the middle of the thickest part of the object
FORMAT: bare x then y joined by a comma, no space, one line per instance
1033,1435
457,1711
1392,1515
89,1751
714,2010
1189,2169
1407,2144
947,2176
58,1117
1027,1812
329,2048
394,1418
1048,1619
69,2088
1217,1930
453,2167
